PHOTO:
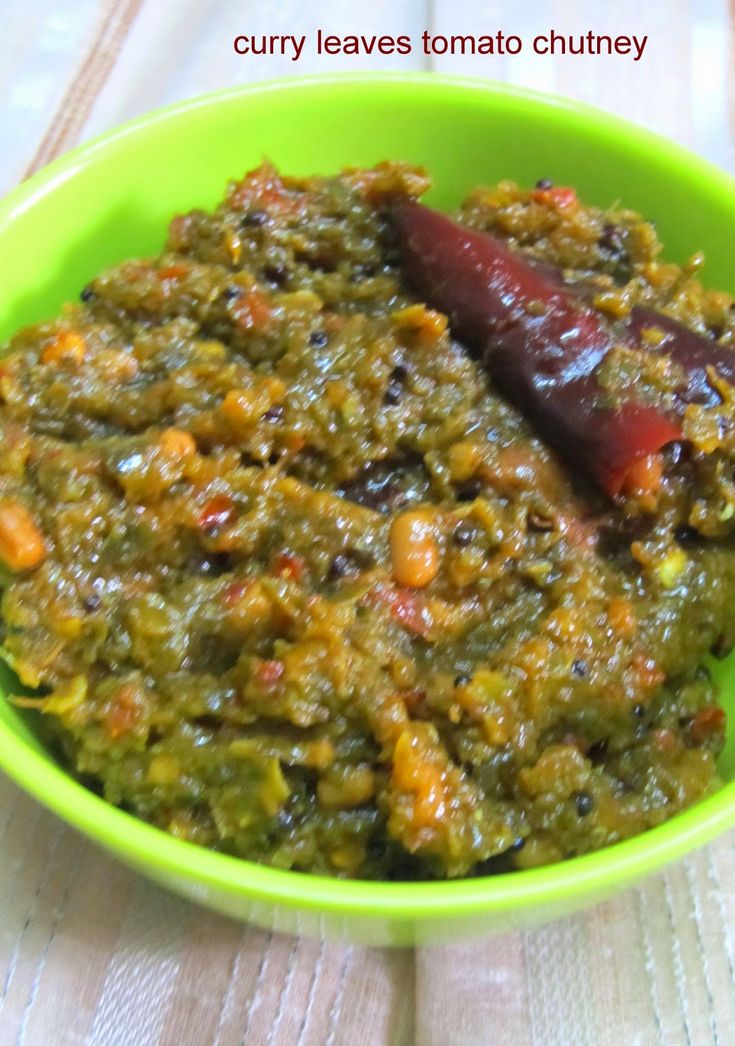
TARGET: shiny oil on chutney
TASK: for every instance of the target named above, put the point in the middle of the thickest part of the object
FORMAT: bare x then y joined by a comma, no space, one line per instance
324,547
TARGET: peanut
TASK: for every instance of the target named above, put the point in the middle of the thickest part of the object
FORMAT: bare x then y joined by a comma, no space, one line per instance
414,549
67,345
22,546
177,443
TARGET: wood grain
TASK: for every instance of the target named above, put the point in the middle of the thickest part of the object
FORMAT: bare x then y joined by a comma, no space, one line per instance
90,952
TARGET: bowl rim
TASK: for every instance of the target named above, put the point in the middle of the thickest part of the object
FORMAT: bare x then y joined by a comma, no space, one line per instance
151,848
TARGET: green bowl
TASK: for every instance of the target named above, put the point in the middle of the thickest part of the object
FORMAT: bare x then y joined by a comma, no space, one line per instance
112,198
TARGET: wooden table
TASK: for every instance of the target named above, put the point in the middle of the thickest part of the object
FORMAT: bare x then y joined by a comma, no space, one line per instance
90,952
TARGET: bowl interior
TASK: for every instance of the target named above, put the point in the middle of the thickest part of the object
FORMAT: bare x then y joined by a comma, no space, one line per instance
113,199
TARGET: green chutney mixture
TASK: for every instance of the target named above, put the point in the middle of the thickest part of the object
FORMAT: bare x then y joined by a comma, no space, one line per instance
295,581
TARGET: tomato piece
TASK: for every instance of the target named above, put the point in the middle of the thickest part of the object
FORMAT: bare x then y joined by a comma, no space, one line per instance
559,196
268,673
405,606
123,715
252,311
234,593
707,723
173,272
217,513
290,567
648,674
